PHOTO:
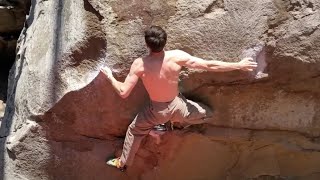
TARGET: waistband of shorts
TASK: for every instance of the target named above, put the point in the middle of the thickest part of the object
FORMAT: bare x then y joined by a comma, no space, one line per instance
156,102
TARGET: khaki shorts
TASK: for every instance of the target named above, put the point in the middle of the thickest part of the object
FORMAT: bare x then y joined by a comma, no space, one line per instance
179,110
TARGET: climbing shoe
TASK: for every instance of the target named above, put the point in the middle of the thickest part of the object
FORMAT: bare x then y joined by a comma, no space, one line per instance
115,162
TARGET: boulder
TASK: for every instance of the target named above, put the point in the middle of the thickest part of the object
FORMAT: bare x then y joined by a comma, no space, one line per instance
63,119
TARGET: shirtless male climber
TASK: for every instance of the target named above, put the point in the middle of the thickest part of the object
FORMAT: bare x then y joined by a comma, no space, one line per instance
159,72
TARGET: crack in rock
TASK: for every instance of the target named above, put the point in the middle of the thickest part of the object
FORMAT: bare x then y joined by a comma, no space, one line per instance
218,4
88,6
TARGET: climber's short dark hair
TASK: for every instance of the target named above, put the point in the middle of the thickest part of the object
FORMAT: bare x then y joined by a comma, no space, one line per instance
156,38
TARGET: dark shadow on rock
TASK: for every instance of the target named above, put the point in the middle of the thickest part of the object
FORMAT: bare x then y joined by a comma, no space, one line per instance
90,8
95,111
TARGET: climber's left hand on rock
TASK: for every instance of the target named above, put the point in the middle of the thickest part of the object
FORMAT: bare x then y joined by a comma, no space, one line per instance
107,71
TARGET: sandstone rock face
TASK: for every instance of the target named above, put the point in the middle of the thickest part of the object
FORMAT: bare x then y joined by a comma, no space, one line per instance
63,119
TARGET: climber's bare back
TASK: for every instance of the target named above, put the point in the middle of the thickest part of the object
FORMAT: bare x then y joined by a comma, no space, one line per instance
160,75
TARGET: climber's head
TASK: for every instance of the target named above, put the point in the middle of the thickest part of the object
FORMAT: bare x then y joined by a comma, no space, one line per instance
156,38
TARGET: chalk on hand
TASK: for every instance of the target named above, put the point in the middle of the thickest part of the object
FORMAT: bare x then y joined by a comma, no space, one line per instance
252,52
106,70
257,53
